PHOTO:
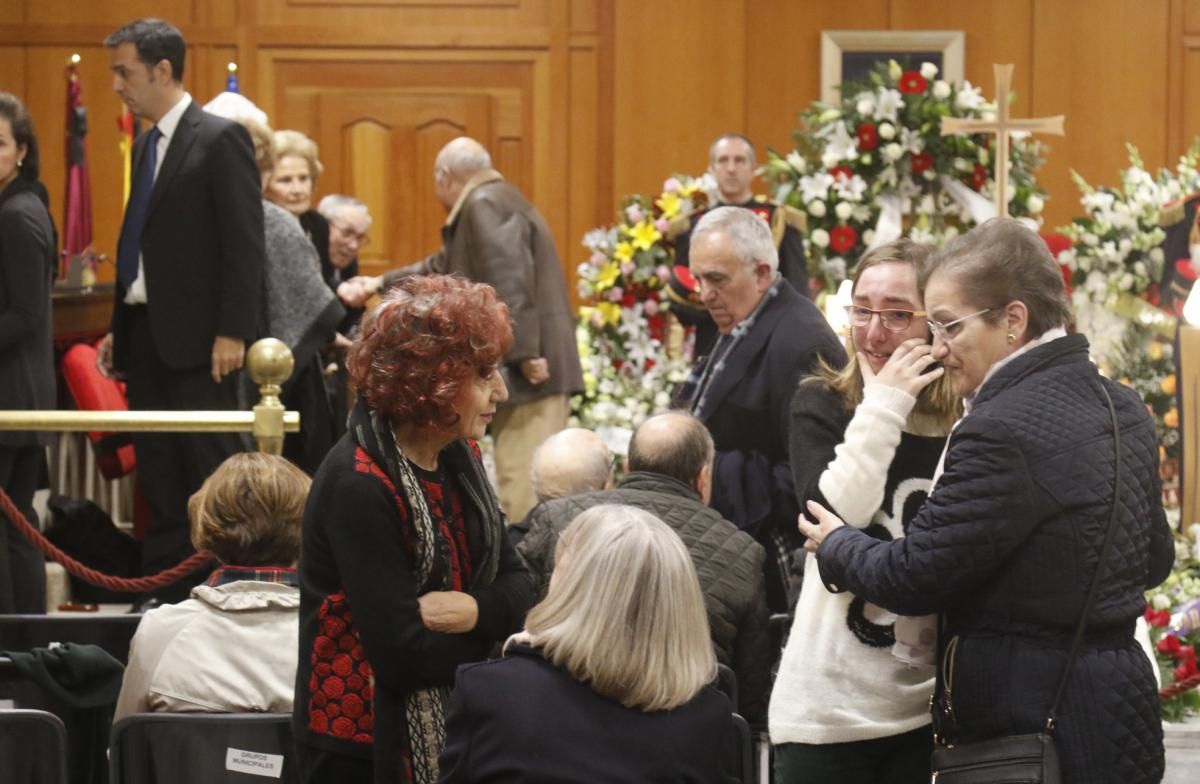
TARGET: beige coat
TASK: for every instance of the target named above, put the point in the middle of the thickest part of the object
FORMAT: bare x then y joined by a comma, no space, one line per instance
228,648
494,235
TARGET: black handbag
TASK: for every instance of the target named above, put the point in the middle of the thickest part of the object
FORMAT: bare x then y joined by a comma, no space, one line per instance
1030,758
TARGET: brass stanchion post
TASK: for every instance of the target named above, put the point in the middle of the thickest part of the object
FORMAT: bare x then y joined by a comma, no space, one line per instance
269,362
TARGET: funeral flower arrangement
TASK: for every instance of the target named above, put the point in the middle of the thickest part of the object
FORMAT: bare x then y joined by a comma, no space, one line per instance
628,373
876,161
1113,269
1173,613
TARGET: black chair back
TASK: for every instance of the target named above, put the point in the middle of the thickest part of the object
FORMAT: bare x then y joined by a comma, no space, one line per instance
33,747
742,754
110,632
202,748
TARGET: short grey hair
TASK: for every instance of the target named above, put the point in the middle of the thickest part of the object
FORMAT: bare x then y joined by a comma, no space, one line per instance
1002,261
749,234
335,204
462,157
674,444
624,613
570,462
712,148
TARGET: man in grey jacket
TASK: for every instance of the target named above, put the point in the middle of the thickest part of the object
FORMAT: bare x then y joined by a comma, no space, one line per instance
670,475
494,235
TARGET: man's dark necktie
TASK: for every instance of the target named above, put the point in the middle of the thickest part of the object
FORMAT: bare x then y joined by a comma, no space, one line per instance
135,212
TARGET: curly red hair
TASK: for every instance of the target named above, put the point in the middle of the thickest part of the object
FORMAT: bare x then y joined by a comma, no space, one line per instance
424,342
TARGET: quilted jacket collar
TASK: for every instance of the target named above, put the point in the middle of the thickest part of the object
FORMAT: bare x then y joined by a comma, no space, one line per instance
657,483
1064,351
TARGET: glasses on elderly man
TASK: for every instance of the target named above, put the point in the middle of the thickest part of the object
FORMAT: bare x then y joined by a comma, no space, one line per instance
361,237
892,320
947,331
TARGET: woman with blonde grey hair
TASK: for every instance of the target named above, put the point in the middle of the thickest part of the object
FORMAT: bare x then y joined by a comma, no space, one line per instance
613,670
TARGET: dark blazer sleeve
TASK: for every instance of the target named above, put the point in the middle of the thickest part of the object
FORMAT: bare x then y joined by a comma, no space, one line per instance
25,281
237,202
817,426
454,764
985,506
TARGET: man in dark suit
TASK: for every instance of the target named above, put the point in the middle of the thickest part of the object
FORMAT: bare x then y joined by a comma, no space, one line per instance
769,337
189,275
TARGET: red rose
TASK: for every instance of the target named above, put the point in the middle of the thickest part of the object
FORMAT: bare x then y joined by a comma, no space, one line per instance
322,669
333,626
343,665
366,722
363,737
1186,653
333,687
346,642
1185,671
628,300
921,161
358,653
979,178
333,709
324,647
355,682
352,706
319,699
342,728
1168,645
318,722
912,83
841,173
843,238
868,137
1160,618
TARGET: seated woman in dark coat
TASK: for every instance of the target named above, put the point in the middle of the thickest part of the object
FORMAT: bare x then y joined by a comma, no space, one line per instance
1010,540
608,682
406,571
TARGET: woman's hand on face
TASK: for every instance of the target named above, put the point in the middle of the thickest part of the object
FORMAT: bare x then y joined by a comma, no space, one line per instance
905,369
452,612
826,523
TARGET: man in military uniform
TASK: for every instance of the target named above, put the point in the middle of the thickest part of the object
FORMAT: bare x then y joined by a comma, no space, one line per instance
731,162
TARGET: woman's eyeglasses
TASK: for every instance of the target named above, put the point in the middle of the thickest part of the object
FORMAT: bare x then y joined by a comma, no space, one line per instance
948,330
893,320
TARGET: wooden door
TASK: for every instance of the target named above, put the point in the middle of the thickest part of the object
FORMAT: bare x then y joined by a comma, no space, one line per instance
381,147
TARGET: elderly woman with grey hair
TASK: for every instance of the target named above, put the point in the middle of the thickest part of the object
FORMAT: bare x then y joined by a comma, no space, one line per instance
1014,538
612,671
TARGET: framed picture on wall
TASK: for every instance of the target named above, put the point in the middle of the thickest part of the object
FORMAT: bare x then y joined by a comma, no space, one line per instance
850,54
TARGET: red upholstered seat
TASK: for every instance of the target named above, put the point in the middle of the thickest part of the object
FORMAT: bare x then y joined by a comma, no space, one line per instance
93,392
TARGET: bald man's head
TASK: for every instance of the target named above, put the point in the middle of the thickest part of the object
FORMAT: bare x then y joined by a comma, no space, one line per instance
460,160
674,444
571,462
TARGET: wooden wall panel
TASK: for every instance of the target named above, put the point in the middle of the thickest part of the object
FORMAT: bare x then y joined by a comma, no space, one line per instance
680,82
111,13
1110,91
783,60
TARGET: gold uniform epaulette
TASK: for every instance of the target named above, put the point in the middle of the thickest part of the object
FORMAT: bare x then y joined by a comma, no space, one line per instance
679,224
1174,211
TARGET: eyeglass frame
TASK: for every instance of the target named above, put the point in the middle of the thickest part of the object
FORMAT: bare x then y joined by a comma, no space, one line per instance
882,321
940,330
362,239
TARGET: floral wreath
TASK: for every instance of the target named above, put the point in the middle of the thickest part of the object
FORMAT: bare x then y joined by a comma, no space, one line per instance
877,159
623,332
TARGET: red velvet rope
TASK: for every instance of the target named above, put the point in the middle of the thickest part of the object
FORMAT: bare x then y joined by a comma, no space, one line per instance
90,575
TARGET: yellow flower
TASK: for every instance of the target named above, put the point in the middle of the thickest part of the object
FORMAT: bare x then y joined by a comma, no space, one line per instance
645,235
1171,418
1167,385
608,276
623,252
610,312
1155,351
669,203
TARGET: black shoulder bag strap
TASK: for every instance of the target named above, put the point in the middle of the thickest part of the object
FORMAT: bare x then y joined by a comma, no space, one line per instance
1104,551
946,651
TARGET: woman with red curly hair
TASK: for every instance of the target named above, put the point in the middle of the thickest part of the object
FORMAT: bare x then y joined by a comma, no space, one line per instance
406,570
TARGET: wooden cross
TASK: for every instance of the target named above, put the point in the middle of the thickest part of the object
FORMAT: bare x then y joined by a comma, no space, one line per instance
1002,126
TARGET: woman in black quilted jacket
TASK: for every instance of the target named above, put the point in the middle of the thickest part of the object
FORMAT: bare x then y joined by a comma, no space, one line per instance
1009,542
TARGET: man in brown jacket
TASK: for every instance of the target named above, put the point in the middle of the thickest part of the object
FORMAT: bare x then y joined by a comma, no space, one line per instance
494,235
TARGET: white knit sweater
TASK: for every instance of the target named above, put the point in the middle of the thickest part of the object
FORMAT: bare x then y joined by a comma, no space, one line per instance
831,687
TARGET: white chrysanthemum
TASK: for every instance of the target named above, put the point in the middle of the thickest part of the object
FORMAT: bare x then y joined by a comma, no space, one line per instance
820,238
941,89
816,208
969,98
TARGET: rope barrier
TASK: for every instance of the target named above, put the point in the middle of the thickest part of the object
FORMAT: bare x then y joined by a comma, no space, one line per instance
90,575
